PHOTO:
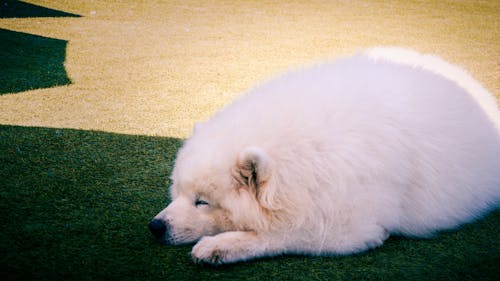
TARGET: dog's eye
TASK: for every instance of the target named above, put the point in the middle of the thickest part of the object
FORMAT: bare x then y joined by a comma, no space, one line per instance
200,202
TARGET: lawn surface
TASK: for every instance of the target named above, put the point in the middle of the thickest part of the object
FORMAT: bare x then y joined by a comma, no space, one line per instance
75,205
157,67
96,97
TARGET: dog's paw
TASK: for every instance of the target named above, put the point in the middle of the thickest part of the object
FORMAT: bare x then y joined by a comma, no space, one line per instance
229,247
209,250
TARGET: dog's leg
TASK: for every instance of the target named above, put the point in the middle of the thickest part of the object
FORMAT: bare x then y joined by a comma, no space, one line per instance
357,239
229,247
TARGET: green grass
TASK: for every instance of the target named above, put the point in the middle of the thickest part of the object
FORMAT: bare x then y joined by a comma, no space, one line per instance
75,206
21,9
30,62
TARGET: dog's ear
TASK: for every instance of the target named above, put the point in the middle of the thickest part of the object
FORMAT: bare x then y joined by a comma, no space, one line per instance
253,169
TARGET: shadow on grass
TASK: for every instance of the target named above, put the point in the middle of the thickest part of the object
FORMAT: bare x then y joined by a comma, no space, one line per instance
30,62
20,9
75,205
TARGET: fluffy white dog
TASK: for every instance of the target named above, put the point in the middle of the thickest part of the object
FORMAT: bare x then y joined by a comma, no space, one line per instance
333,159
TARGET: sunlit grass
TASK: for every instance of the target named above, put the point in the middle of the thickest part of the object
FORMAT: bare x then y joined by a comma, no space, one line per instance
157,67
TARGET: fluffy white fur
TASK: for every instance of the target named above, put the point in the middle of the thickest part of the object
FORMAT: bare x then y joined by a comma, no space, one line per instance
333,159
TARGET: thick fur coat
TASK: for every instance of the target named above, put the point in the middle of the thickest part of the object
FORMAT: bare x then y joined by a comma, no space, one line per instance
333,159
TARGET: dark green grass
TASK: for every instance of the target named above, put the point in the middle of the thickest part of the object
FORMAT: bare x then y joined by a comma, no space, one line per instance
30,62
74,205
20,9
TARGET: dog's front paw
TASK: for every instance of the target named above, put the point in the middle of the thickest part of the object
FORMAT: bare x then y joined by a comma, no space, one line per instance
209,251
229,247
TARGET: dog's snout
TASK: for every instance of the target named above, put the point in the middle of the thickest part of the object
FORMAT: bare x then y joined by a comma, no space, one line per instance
158,228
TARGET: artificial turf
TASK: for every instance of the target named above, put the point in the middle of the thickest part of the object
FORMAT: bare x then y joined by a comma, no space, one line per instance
75,206
32,62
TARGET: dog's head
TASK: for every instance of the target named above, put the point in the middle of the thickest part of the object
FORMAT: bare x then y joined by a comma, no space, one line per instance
212,194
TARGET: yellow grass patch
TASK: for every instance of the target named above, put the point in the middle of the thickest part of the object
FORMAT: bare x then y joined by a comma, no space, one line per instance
157,67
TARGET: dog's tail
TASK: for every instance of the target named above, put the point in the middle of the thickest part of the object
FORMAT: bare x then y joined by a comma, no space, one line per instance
441,67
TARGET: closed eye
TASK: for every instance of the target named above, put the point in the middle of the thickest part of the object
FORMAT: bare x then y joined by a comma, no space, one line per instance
200,202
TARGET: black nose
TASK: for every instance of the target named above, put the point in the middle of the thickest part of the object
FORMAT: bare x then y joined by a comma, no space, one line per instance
158,228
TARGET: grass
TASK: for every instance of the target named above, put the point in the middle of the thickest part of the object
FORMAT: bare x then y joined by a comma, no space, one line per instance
21,9
128,79
32,61
158,67
75,206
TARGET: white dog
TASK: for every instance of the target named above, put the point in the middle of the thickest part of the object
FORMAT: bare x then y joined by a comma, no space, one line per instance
333,159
